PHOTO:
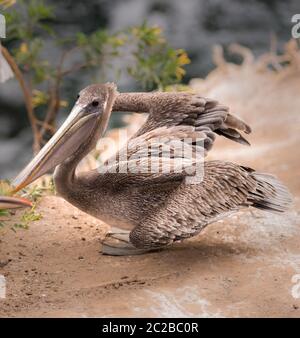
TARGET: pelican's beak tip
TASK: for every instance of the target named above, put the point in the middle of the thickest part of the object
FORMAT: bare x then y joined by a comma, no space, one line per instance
25,203
9,202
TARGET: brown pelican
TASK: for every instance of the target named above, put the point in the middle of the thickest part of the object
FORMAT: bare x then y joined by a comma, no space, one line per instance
153,209
8,202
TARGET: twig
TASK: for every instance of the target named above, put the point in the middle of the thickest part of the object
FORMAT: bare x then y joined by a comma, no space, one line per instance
27,97
45,125
74,68
54,91
52,108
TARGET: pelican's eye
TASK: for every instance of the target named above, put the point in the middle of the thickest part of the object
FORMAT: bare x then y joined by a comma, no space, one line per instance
95,103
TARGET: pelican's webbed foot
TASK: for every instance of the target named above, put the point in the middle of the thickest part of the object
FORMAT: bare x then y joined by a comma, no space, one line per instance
117,243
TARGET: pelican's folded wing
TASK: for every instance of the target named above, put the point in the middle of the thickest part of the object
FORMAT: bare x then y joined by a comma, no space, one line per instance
184,109
160,155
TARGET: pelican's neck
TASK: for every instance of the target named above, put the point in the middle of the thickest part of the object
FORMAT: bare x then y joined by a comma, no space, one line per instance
65,174
68,185
79,188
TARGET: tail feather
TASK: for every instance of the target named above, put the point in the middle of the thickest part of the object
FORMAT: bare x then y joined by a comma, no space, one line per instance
270,194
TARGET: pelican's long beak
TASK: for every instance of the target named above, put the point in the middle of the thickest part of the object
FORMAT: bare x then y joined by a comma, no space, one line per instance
70,136
13,202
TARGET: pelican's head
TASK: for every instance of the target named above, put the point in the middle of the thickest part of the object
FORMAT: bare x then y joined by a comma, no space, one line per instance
8,202
85,124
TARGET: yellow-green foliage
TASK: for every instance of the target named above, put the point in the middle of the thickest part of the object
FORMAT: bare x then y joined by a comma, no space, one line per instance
145,54
27,217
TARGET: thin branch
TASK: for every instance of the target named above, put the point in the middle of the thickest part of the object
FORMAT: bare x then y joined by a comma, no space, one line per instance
54,91
66,54
74,69
45,125
50,111
27,97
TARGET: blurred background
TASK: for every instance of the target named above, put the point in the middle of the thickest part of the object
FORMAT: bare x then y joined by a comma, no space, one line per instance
193,25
